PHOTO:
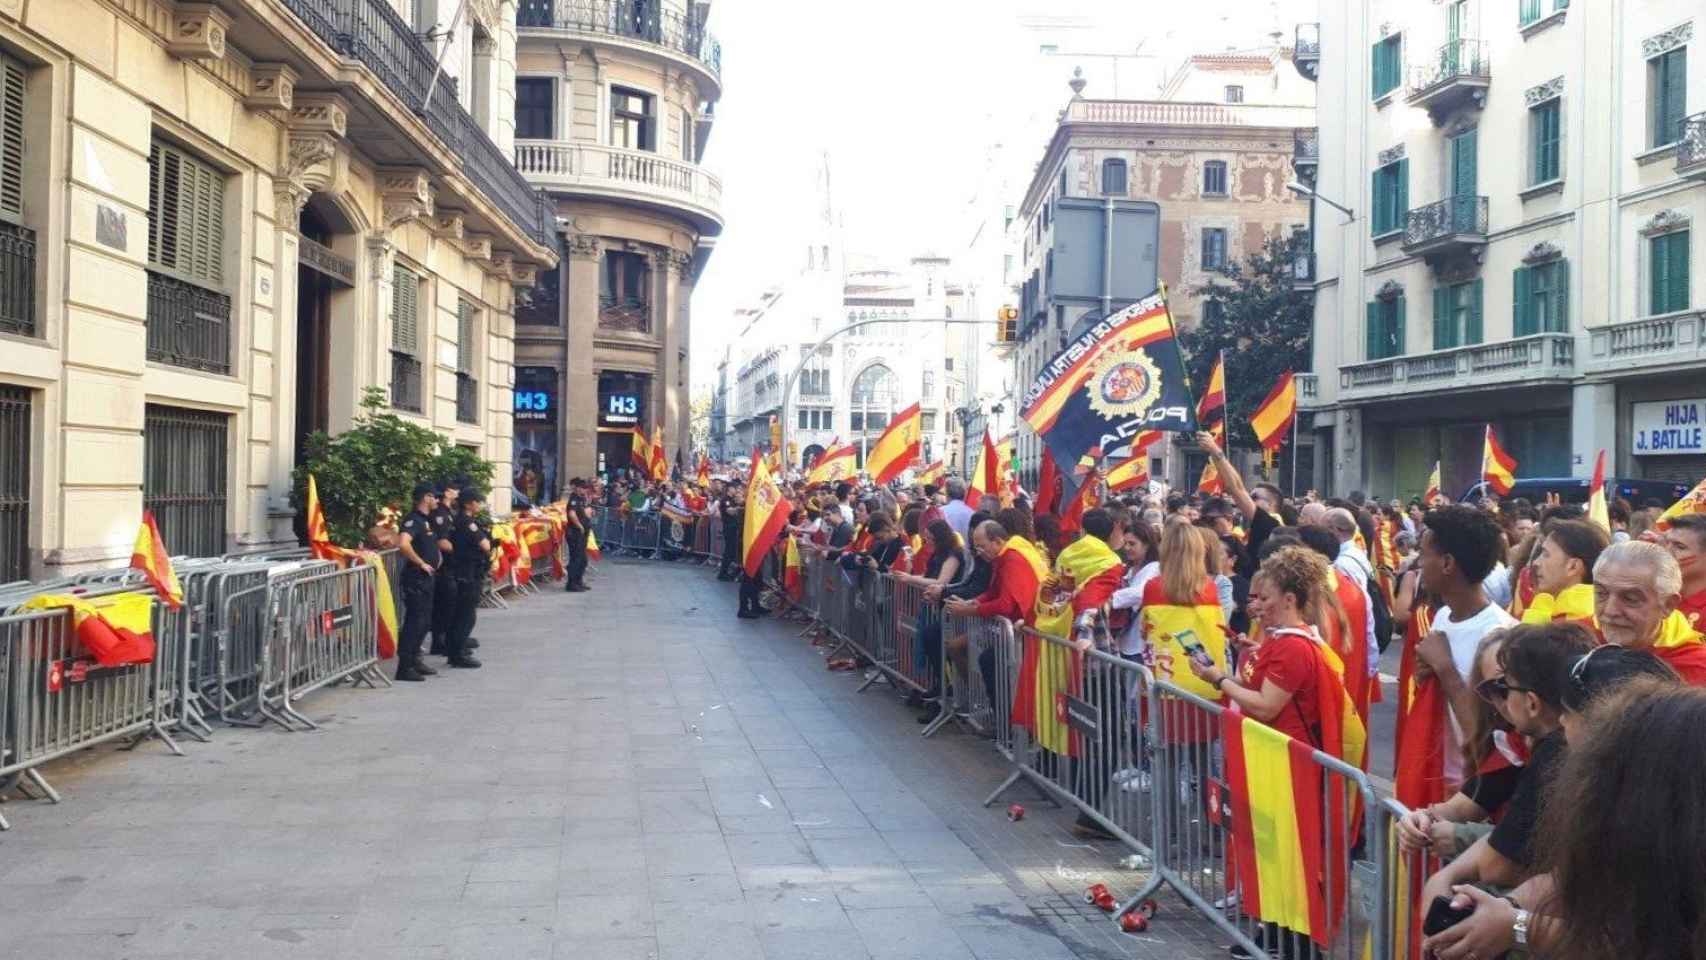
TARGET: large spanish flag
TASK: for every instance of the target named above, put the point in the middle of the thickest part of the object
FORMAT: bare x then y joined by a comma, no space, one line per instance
766,514
1498,468
1273,419
149,555
933,474
986,479
1051,672
115,630
898,447
1692,502
834,465
1129,473
640,451
1212,406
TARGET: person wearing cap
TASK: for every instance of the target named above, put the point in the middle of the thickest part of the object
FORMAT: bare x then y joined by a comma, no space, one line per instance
444,587
418,543
468,564
580,521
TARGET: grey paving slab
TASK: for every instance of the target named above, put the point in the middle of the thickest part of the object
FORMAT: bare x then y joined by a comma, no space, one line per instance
635,774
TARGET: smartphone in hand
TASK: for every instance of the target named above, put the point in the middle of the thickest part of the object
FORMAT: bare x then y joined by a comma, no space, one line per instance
1443,916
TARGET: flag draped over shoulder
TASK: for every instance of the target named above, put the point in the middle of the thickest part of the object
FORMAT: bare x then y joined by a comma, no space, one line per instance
1121,376
986,479
766,513
1498,468
115,630
898,447
149,555
1051,672
1570,605
792,583
1418,775
1692,502
1169,626
835,464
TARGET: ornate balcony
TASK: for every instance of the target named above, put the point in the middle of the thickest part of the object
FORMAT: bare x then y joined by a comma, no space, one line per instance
1305,154
644,22
618,173
1691,149
1677,339
1457,73
1543,358
1446,227
1308,390
1306,53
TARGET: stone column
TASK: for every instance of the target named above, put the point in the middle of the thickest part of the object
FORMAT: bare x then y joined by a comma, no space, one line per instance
1593,426
667,269
578,410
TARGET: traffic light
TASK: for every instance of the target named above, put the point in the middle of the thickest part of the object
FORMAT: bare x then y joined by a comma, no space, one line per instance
1007,328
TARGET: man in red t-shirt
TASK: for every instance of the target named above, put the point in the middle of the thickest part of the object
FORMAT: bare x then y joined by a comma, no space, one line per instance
1686,541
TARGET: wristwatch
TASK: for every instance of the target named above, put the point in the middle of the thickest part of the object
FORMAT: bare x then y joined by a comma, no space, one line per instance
1519,927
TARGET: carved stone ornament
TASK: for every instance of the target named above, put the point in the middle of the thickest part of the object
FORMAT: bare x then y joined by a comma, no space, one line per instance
499,265
382,254
485,13
477,246
272,86
1389,290
1543,251
1669,40
1665,221
405,194
1540,93
449,226
320,113
307,168
524,275
198,32
583,247
1389,155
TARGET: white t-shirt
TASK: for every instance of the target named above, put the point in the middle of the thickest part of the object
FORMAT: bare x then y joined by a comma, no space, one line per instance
1130,597
1464,637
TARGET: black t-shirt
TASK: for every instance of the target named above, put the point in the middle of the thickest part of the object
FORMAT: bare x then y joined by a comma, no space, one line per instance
468,560
976,583
1513,837
423,536
442,522
1261,525
1492,790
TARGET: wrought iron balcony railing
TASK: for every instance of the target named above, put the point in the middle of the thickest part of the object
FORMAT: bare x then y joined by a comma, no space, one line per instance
1306,51
467,398
1457,70
17,280
373,33
1691,148
1452,220
624,313
405,381
188,325
645,20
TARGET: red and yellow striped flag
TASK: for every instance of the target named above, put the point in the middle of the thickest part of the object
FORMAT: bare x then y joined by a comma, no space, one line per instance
986,479
1211,483
839,462
1272,420
115,630
1498,468
766,513
791,583
898,447
592,549
1598,510
149,555
1692,502
640,451
932,475
1213,402
1432,492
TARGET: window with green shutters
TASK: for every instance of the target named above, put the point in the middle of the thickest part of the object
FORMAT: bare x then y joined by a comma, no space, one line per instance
1457,315
1667,95
1544,124
1527,11
1388,65
405,310
1385,328
464,336
186,216
1668,272
11,138
1391,197
1542,299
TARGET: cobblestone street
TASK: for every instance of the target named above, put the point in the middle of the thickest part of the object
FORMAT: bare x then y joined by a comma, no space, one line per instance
634,774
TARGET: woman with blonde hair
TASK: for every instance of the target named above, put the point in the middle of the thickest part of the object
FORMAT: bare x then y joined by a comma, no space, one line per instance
1181,612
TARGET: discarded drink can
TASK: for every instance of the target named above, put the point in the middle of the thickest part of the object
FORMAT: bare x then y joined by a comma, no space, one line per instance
1137,921
1095,892
1016,813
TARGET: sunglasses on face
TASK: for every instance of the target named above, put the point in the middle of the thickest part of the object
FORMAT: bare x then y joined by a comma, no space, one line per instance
1495,689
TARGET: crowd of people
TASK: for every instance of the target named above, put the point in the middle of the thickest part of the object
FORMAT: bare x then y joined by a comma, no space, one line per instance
1548,687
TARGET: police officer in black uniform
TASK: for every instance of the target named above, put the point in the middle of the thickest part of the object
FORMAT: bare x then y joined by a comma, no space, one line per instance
469,562
580,521
444,588
733,508
418,543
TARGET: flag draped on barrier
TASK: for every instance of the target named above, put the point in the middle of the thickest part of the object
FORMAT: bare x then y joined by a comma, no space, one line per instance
898,447
1498,468
766,513
1122,376
149,555
116,630
321,546
791,581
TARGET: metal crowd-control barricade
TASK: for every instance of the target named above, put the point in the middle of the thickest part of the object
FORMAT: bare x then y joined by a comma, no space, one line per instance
702,539
326,632
1197,842
54,701
900,620
251,608
978,667
1398,895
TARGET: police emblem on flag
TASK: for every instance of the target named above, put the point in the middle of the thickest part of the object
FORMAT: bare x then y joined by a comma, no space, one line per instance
1124,383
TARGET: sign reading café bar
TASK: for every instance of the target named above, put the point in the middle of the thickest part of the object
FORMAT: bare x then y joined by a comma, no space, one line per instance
1668,427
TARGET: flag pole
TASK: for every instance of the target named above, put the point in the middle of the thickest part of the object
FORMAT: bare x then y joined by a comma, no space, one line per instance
1295,430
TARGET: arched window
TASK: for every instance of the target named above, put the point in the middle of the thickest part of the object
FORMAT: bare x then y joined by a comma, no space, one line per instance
873,395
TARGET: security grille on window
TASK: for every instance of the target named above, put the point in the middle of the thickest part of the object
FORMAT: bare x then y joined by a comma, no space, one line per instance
631,122
535,108
405,339
17,242
189,313
624,292
14,484
1214,178
1113,178
184,477
1214,248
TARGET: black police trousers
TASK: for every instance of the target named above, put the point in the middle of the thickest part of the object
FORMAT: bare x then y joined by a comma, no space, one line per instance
443,609
466,608
417,616
575,573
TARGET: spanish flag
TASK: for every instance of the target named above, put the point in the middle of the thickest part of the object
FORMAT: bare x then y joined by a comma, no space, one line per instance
1498,468
1169,626
898,447
986,479
640,453
1570,605
1681,646
1087,497
1130,473
1598,510
791,582
932,474
115,630
703,475
1048,485
592,549
1418,775
1050,672
1432,492
1283,819
1692,502
385,603
1212,406
1273,419
766,513
1210,483
659,462
833,465
149,555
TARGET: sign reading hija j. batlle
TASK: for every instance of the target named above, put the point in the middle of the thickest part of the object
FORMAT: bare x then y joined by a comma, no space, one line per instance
1669,427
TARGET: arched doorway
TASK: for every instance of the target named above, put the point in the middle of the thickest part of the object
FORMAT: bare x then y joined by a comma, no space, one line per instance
872,401
809,456
324,281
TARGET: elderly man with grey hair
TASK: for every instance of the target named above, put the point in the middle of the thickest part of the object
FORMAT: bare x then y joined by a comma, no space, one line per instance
958,512
1636,588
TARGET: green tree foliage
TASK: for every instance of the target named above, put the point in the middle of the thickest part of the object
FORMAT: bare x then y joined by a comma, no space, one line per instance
1262,324
375,464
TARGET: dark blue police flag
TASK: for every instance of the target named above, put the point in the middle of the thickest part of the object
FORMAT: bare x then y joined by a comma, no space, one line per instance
1121,377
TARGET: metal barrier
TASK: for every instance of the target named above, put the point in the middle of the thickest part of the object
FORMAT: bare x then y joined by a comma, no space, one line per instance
1400,891
975,657
326,630
900,620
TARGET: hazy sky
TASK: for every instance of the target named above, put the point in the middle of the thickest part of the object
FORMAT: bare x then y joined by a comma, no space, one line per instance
909,100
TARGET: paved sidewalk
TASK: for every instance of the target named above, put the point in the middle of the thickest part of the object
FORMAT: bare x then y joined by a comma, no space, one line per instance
635,775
